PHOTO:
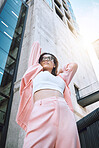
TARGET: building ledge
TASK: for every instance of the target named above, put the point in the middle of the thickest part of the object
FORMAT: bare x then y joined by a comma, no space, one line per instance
89,99
88,95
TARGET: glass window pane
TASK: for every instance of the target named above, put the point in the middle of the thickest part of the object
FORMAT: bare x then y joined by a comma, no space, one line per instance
2,117
1,75
49,2
4,27
5,42
10,65
3,108
6,17
5,83
3,58
9,8
3,103
18,2
15,4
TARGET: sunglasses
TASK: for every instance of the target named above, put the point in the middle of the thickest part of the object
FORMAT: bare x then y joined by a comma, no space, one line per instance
49,58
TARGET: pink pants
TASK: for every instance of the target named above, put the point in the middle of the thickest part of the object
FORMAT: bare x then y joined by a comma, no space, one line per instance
51,125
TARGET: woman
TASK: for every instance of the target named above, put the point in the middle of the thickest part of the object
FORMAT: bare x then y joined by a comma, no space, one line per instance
45,110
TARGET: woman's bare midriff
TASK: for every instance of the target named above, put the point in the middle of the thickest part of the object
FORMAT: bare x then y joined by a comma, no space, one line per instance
46,93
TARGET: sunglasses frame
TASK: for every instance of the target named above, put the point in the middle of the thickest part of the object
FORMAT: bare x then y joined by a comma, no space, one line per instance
49,58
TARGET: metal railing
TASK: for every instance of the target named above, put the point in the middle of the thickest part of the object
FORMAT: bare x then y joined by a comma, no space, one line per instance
88,128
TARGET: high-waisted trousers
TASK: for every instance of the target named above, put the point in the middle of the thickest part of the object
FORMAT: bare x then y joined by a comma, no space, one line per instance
51,125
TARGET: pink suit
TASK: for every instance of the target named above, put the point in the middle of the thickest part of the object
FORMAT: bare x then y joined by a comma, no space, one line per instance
49,122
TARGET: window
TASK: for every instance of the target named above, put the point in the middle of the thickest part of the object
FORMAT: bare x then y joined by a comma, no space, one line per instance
76,91
64,5
49,2
59,13
57,3
58,8
64,1
67,15
70,26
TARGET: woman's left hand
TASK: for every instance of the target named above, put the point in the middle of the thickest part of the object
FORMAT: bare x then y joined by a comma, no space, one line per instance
60,71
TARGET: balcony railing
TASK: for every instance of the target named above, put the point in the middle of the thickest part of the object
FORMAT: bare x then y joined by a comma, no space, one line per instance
88,128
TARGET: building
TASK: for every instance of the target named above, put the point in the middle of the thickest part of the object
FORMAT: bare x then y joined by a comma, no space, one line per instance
96,47
12,18
53,24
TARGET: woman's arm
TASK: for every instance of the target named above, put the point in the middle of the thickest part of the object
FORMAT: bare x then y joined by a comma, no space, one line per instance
35,54
33,66
68,72
26,86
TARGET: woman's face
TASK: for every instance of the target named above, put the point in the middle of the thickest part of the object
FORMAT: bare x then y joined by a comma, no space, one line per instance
47,62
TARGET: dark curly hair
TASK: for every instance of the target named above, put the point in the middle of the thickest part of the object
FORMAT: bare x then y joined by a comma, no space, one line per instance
54,70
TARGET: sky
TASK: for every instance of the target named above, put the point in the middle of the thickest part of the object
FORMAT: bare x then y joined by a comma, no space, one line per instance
87,17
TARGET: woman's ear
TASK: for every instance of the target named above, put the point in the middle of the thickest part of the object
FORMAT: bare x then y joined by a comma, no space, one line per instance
54,66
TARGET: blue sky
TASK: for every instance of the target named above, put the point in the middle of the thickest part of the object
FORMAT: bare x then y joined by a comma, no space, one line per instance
87,16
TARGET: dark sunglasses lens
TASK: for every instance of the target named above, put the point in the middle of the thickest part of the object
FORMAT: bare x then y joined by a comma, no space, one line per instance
49,58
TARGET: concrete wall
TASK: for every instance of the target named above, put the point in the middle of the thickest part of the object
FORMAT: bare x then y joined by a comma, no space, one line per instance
54,36
1,3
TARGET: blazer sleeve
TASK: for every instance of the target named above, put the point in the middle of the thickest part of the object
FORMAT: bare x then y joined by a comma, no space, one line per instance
33,66
68,72
26,86
34,54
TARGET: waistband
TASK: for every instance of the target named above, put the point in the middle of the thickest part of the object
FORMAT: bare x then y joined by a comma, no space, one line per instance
53,98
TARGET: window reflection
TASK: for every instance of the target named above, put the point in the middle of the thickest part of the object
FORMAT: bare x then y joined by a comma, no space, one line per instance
1,75
5,42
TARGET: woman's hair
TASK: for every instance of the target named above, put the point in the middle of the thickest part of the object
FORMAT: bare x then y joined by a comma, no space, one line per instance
54,70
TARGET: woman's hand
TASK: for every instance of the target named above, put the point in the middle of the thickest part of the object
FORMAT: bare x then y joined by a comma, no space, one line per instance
68,71
60,71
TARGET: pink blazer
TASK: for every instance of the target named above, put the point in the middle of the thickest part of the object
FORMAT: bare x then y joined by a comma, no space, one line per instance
26,86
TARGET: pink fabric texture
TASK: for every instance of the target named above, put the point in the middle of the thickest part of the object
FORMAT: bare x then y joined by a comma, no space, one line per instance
51,125
26,86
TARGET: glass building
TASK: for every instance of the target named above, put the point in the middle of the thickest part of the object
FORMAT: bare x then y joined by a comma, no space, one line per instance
12,23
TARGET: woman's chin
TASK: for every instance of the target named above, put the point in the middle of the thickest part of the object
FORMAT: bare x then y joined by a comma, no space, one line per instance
46,66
